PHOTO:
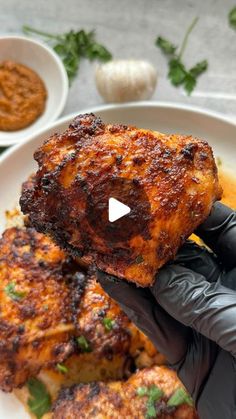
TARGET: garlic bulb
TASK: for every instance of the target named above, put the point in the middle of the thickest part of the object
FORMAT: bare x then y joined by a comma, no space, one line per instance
126,80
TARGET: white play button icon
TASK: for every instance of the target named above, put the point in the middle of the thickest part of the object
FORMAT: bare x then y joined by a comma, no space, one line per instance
116,210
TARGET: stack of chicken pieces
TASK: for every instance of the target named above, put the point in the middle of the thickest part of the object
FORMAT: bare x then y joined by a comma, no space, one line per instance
54,314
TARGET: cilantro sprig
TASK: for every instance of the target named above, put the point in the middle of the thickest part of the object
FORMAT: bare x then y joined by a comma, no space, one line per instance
40,401
13,293
232,18
72,46
178,73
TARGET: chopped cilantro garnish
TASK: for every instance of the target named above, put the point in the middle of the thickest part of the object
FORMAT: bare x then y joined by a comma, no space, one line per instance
84,344
180,396
151,411
62,368
153,394
40,401
108,323
11,291
142,391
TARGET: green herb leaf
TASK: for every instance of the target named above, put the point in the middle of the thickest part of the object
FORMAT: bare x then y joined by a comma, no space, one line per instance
108,323
97,51
232,18
155,393
62,368
84,344
179,397
60,49
72,46
40,401
142,391
189,83
11,291
151,411
199,68
71,64
166,46
177,72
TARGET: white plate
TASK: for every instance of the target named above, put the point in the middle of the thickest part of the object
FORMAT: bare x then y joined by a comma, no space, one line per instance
17,163
49,67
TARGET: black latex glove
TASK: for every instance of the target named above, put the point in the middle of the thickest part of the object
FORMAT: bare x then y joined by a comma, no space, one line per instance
190,314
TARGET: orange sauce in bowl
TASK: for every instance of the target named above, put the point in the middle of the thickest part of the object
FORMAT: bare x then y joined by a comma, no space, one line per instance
22,96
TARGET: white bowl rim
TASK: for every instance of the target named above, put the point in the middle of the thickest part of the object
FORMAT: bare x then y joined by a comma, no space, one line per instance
65,86
104,107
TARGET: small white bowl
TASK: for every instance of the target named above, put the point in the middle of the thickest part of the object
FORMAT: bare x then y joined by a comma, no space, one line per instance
49,67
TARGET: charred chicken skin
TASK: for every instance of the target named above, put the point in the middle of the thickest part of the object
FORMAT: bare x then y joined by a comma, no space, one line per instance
176,173
109,346
35,317
105,326
152,392
50,311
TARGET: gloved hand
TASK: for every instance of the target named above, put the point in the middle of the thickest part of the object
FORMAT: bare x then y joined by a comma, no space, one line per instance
190,314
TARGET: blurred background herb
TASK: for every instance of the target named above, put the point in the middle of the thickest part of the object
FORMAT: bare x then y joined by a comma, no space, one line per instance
178,73
232,18
72,46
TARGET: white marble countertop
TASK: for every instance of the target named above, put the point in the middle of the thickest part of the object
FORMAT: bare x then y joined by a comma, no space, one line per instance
129,28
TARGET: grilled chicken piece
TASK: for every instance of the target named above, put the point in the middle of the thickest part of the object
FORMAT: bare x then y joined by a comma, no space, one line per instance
35,317
146,394
176,173
105,326
110,345
46,301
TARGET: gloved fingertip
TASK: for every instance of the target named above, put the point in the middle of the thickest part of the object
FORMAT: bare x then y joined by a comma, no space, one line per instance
117,288
162,279
199,259
171,278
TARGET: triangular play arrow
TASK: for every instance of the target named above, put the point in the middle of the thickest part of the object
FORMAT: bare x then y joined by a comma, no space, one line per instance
116,210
